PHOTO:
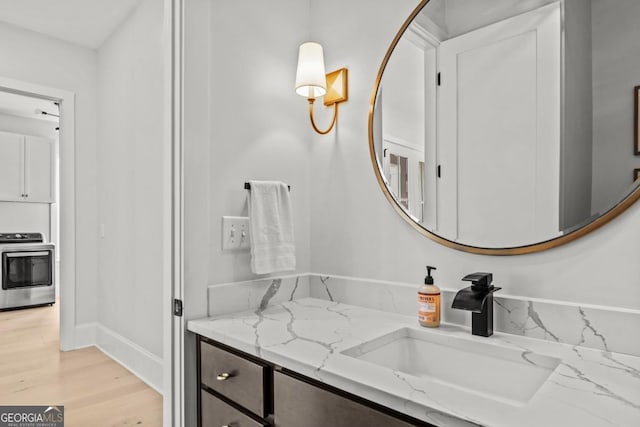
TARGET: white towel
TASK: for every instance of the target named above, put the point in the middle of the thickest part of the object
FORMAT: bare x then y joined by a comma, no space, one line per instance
271,228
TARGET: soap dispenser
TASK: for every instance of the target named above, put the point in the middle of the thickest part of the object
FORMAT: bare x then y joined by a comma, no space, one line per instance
429,302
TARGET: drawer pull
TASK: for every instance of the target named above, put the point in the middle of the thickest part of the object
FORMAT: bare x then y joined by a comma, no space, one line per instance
230,425
223,377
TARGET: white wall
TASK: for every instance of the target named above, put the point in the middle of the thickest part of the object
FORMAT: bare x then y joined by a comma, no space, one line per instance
37,59
197,152
130,177
243,121
616,60
30,217
355,232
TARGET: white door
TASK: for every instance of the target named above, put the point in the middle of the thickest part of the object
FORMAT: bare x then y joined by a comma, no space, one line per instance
499,132
39,169
11,167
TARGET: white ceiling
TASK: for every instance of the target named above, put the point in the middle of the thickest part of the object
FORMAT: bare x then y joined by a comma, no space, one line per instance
26,106
83,22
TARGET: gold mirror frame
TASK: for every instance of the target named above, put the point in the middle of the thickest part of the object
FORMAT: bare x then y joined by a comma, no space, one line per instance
518,250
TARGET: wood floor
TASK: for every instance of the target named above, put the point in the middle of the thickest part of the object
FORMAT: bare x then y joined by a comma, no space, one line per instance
95,390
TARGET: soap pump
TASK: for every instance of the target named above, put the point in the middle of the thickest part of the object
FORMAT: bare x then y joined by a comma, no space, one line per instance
429,302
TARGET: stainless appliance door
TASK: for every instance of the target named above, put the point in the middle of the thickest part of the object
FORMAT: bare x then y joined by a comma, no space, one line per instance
27,274
27,269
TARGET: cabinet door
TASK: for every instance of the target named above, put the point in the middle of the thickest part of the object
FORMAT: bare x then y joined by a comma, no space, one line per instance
216,413
39,169
234,377
298,403
11,167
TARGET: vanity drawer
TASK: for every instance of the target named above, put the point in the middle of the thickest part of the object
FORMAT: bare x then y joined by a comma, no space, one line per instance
298,403
240,380
216,413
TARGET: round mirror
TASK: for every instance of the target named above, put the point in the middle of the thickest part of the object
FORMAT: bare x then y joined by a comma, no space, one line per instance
508,126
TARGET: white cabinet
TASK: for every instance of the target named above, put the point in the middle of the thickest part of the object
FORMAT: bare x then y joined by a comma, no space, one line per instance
11,166
27,172
39,177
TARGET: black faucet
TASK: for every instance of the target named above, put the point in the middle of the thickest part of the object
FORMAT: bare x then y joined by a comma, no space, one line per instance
478,298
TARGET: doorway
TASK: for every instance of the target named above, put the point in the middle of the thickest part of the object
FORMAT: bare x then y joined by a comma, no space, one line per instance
61,218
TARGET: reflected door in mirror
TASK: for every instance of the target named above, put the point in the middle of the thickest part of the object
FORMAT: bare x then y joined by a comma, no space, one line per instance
499,132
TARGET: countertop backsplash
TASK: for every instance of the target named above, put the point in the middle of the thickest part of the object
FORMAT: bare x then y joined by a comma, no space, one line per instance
603,328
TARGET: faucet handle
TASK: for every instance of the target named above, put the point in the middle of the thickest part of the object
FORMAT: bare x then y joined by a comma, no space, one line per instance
479,279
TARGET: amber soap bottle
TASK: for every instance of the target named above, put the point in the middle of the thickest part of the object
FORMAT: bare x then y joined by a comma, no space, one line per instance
429,302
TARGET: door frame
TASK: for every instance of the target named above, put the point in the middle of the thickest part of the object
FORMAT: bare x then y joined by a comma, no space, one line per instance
69,337
173,326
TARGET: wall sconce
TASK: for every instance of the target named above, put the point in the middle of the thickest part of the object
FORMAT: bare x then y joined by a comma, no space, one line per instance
312,82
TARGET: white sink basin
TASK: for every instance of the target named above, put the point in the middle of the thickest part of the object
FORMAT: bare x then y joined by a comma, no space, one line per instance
492,370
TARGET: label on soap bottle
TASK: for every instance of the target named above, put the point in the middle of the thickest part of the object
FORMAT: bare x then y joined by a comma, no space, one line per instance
429,308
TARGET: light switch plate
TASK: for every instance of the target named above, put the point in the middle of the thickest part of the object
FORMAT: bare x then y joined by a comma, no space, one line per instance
235,233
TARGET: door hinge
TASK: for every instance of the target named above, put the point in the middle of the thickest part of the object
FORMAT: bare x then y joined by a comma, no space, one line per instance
439,79
177,307
439,171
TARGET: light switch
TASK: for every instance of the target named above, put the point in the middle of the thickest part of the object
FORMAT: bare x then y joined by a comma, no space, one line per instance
235,233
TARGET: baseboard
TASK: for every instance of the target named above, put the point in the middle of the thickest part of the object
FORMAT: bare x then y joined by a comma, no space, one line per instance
143,364
85,335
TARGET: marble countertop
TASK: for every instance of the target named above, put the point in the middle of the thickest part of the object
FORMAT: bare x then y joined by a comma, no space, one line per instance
588,387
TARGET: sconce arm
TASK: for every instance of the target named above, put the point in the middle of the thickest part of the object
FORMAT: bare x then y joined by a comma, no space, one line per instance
313,122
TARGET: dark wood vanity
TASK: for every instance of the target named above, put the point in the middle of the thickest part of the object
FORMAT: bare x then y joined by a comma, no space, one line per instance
236,389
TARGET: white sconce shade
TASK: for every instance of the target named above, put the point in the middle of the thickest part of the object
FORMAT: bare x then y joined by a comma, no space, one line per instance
310,75
312,82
